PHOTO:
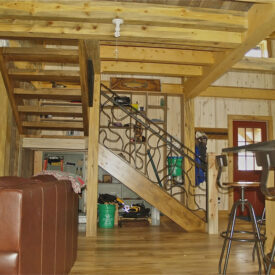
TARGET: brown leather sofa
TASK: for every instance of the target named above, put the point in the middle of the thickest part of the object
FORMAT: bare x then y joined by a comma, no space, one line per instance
38,226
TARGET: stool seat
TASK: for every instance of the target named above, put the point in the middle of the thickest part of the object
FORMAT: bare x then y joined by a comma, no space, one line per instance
242,184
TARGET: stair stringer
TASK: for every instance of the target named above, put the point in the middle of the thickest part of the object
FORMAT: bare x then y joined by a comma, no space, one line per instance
149,191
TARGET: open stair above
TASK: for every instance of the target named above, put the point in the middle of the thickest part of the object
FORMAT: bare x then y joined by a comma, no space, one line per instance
44,88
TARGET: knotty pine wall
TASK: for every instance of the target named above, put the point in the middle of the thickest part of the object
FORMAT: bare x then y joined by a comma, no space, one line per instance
213,112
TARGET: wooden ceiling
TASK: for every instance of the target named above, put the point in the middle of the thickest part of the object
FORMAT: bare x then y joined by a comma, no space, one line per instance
196,40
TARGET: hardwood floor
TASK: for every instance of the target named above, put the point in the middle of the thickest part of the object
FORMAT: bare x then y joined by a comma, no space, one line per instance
163,250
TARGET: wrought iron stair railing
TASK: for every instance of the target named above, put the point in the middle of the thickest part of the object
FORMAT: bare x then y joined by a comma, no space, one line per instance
152,151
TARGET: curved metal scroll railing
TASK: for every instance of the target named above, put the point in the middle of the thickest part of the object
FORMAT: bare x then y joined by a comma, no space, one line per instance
152,151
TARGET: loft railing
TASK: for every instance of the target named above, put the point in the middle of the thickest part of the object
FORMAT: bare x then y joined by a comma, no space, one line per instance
152,151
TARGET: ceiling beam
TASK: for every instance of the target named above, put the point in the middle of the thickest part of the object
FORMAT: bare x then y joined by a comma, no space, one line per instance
261,23
155,55
238,92
121,67
257,1
132,13
266,65
41,54
107,53
10,28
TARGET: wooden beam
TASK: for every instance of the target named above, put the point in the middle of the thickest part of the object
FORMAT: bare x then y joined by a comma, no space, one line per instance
266,65
55,143
46,75
238,92
261,23
54,93
52,110
4,114
53,125
155,55
121,67
84,82
40,29
132,13
40,54
9,89
92,49
258,1
212,200
189,142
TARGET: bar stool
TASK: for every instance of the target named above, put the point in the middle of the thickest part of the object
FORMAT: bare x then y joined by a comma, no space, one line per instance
230,234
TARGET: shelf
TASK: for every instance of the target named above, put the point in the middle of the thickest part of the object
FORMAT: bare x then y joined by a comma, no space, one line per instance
156,107
116,127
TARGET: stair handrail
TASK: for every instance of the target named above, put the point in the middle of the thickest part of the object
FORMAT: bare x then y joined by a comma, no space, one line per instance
131,114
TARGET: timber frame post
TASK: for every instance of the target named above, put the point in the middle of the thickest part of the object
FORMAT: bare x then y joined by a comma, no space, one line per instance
89,49
213,214
189,141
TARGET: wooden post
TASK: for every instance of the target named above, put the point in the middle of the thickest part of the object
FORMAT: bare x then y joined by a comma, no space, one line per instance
213,214
89,49
38,158
189,141
4,106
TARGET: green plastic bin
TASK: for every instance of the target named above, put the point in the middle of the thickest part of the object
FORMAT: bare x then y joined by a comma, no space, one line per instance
175,166
106,213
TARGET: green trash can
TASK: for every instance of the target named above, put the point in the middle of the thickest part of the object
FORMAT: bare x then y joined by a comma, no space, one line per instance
106,213
175,166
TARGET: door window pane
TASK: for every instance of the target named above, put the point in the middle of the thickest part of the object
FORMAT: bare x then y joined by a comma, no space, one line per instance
249,135
257,134
241,163
241,134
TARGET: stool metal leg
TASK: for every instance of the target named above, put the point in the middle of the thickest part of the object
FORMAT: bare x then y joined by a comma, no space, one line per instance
233,220
228,235
260,223
271,259
258,241
226,238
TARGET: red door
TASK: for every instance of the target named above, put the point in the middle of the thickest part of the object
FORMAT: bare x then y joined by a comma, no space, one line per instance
244,163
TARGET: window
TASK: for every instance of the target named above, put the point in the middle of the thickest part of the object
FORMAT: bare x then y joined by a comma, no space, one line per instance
259,51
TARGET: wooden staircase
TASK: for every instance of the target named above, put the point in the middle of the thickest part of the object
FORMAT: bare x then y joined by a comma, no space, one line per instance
44,88
149,191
